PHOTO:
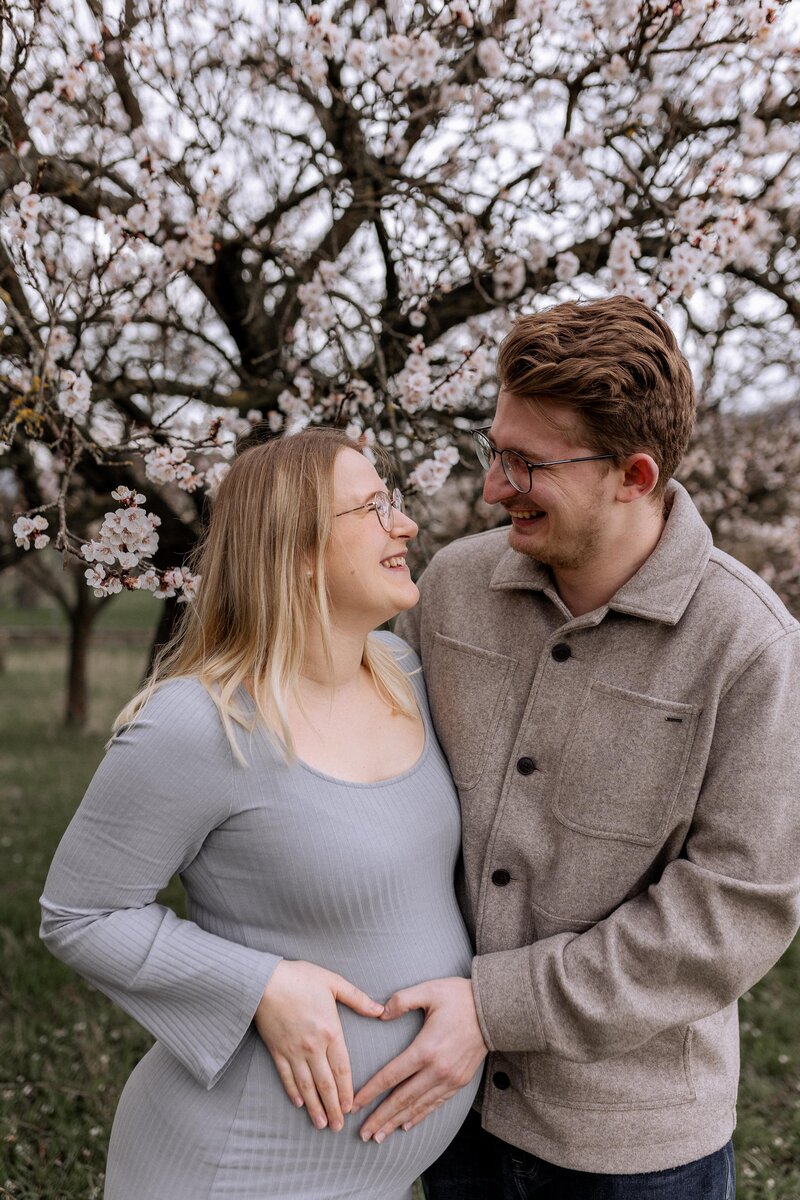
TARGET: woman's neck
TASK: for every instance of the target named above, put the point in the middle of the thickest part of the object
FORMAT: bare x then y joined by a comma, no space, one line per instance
344,667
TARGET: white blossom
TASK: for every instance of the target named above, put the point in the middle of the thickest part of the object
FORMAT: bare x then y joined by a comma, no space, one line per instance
27,529
491,57
215,474
103,584
73,396
567,266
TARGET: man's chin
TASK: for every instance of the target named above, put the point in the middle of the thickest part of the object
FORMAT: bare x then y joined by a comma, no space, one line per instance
524,544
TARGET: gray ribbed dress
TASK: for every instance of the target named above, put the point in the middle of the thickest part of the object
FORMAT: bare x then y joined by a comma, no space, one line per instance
277,861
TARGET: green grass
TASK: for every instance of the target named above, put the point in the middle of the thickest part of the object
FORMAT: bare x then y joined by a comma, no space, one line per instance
66,1051
127,611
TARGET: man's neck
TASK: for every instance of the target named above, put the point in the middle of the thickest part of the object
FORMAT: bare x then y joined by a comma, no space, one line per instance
590,586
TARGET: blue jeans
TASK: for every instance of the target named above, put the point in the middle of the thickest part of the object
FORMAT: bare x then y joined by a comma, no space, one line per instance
479,1166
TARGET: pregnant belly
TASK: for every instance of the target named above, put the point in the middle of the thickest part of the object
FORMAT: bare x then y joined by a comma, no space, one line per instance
305,1162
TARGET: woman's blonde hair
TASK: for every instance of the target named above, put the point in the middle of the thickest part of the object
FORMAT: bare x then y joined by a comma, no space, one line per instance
263,587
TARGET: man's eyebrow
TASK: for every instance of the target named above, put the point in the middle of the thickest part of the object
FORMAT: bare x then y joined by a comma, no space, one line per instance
522,453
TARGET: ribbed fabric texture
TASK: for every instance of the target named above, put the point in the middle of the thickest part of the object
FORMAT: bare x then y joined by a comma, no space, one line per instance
277,861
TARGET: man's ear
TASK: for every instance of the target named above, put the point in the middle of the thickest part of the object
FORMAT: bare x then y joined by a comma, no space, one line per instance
639,479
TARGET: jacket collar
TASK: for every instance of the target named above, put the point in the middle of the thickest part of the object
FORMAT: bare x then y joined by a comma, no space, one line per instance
662,587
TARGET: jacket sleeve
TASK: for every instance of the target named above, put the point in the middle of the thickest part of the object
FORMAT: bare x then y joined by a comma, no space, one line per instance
717,919
164,784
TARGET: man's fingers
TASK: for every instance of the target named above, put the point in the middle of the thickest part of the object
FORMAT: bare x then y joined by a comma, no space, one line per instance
347,993
405,1001
395,1072
409,1104
339,1061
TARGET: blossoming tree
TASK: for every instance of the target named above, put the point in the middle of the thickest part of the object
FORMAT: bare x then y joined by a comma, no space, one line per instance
225,213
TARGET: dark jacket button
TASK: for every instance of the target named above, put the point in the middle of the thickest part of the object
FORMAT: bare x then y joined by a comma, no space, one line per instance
561,652
501,1080
501,877
526,766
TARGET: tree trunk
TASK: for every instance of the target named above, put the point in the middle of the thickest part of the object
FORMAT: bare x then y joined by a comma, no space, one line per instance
164,630
81,618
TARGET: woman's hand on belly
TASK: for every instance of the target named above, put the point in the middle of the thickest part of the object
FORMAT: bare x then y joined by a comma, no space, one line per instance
298,1022
443,1057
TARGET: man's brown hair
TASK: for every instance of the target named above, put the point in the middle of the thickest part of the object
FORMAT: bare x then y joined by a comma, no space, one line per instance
618,365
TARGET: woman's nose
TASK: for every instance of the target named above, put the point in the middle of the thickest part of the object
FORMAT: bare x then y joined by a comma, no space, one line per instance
404,526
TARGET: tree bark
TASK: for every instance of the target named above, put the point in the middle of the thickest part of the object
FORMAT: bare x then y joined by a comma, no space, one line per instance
82,615
165,628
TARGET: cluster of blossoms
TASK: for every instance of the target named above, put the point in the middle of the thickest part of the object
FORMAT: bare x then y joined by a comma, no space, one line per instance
165,584
31,529
168,464
416,388
126,535
429,476
318,308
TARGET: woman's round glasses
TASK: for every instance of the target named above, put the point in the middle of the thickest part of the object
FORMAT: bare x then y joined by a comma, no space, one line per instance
384,506
518,470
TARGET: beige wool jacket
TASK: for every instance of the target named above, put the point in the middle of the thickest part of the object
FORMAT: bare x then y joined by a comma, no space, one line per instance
630,789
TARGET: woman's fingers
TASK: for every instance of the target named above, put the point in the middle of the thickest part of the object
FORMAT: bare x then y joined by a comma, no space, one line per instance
327,1089
299,1023
284,1069
354,998
339,1061
308,1089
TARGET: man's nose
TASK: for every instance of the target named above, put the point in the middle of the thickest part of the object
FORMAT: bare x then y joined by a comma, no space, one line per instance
496,488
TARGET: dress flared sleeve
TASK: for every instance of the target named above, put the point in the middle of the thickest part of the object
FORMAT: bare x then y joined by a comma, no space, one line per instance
166,782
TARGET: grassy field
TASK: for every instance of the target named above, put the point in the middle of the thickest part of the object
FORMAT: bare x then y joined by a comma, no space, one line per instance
65,1051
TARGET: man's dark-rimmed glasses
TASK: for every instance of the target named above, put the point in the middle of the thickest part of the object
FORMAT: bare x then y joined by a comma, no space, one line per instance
518,470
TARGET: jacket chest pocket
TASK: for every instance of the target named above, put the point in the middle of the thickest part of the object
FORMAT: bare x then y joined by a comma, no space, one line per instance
623,764
467,687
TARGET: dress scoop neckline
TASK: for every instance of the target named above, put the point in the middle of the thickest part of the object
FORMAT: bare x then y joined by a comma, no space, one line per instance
357,783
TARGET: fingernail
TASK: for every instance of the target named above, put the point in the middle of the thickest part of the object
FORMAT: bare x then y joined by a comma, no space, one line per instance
406,1127
365,1137
379,1137
298,1102
320,1122
336,1126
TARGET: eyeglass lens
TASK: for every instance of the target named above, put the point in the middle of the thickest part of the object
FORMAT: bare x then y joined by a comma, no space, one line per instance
515,468
386,508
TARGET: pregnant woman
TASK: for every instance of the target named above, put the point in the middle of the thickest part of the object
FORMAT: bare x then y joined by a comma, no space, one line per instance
282,760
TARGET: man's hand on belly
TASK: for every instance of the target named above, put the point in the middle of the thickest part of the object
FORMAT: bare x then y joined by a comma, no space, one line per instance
443,1057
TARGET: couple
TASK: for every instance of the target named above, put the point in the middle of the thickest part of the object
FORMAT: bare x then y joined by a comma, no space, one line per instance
618,705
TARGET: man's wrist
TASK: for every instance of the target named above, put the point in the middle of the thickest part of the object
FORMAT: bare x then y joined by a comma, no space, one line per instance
504,1002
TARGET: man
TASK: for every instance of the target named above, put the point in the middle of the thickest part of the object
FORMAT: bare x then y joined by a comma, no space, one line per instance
619,703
